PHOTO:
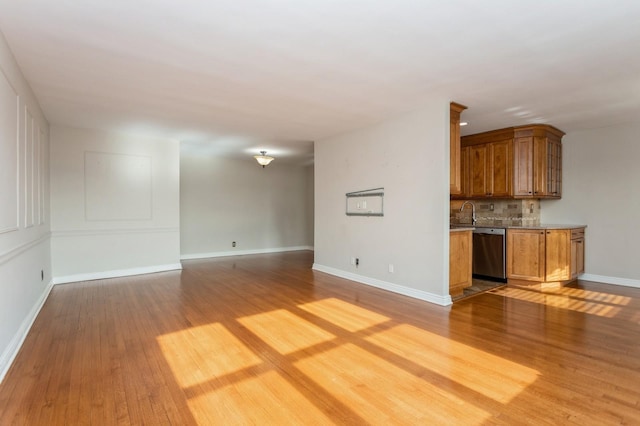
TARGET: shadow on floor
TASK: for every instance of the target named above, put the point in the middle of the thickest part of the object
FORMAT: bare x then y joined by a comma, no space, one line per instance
478,286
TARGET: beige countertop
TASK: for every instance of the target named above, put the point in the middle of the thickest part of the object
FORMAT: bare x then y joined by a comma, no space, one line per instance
547,226
466,226
459,228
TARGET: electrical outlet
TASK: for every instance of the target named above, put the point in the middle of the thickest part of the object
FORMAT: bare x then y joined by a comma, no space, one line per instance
353,260
233,244
391,268
41,274
357,262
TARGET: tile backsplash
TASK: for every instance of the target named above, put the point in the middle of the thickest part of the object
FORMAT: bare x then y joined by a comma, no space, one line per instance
497,212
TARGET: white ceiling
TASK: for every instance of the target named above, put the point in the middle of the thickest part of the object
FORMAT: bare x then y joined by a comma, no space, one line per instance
234,76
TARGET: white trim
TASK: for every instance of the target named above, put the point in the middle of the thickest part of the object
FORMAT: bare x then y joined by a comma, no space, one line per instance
11,253
610,280
99,232
10,353
396,288
10,229
243,252
116,273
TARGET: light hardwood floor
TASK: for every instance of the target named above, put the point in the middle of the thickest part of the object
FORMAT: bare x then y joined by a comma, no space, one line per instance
266,340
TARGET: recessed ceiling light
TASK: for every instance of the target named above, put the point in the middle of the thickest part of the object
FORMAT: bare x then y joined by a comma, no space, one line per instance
463,123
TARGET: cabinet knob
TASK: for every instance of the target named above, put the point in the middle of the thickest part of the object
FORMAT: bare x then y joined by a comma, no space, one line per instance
529,192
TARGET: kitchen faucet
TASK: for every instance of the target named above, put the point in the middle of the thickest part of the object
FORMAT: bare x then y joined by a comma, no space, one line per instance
473,211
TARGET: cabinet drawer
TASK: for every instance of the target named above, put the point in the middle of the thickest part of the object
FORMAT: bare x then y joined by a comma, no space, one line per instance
577,233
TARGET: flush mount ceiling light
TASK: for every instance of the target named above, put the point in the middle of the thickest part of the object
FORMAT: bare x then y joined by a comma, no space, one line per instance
263,159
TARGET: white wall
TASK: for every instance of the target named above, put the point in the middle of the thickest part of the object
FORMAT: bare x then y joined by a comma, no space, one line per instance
310,204
224,200
601,189
24,208
408,156
115,204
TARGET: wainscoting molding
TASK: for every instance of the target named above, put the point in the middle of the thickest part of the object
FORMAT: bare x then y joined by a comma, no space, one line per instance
11,253
115,231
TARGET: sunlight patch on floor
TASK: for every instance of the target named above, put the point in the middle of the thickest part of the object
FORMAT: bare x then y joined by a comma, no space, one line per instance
344,314
200,354
596,296
560,301
457,362
284,331
382,393
265,399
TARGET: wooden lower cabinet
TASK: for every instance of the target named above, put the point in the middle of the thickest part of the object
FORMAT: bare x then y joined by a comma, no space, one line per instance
525,254
577,252
544,256
460,261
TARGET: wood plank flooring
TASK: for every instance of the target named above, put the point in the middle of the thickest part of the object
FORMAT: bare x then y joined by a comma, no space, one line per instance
266,340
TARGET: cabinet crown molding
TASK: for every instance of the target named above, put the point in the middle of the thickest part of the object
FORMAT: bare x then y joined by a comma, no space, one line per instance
540,130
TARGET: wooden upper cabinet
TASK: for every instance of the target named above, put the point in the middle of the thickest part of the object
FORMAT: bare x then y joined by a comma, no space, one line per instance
479,170
500,161
490,167
537,162
464,174
519,162
523,167
455,168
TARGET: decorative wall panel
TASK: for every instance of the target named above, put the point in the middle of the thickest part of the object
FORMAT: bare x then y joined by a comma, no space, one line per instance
43,172
9,104
29,153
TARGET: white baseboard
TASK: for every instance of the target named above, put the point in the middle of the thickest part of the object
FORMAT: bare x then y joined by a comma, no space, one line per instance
116,273
242,252
10,353
384,285
610,280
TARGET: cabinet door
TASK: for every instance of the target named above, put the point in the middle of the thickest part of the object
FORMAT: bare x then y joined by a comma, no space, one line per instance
558,255
554,167
460,261
523,167
464,175
580,257
547,167
526,254
577,257
500,160
478,171
455,186
464,171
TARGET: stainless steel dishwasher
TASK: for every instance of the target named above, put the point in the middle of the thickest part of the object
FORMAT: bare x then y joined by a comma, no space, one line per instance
489,253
